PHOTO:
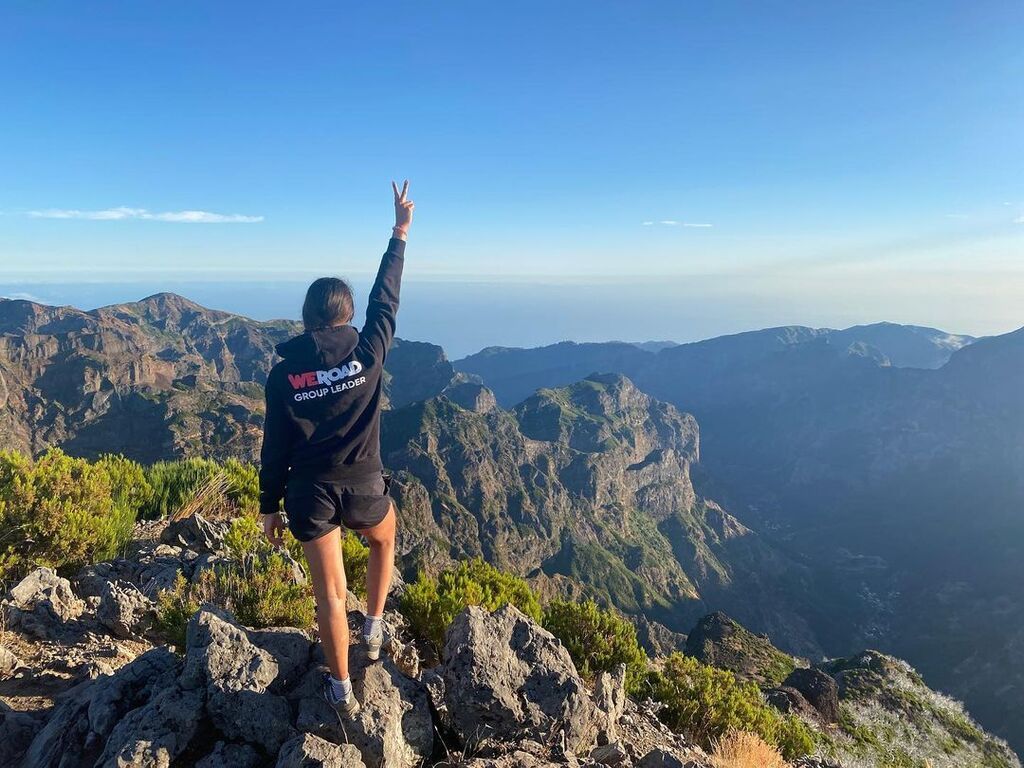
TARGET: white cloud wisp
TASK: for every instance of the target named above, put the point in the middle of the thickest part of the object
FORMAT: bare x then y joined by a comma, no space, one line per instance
124,214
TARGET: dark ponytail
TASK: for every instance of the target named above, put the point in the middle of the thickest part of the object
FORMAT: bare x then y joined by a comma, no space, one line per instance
328,302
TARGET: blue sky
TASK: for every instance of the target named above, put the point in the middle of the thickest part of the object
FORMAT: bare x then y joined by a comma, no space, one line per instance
829,146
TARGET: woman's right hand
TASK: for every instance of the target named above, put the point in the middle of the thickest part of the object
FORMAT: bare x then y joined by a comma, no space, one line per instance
403,209
273,527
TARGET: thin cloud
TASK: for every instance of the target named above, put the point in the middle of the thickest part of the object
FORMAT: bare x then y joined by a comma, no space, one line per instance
1019,220
674,223
124,214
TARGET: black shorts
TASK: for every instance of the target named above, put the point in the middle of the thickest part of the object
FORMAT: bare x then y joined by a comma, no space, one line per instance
315,507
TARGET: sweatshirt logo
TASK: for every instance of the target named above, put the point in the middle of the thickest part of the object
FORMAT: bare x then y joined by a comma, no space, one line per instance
317,378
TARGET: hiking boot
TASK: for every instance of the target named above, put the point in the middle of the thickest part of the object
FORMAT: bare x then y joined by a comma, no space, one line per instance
373,644
347,708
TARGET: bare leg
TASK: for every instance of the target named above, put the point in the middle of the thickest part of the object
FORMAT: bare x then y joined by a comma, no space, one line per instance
328,573
381,539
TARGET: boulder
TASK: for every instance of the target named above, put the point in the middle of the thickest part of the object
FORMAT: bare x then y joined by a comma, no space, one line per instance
612,755
153,735
820,689
42,603
237,676
517,759
227,754
16,732
85,716
393,725
506,679
660,758
196,533
789,700
8,662
309,751
124,610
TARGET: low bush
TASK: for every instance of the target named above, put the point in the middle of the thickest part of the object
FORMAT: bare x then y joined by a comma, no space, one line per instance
430,604
259,591
598,640
707,704
65,512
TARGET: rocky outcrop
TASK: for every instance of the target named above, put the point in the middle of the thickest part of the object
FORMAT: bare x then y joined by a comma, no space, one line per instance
722,642
818,688
42,604
309,751
506,679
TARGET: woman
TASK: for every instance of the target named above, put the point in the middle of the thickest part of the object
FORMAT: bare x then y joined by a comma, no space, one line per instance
321,450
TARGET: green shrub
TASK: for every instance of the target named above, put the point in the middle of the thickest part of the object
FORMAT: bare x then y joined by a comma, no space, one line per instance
64,512
259,591
431,604
356,556
598,640
184,486
705,704
174,607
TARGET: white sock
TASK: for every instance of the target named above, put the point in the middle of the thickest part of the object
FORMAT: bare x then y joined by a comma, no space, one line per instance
340,689
372,626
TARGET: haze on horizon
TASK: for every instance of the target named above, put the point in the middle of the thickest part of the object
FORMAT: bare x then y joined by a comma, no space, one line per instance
799,163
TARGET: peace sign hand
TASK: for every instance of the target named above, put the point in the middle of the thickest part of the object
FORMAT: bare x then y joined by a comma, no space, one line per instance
403,209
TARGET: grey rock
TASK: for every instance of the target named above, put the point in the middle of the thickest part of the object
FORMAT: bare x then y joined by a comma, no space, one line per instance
309,751
819,688
124,610
196,533
610,697
661,758
506,679
8,661
787,699
394,724
85,716
16,732
42,604
516,759
237,676
612,754
152,736
229,755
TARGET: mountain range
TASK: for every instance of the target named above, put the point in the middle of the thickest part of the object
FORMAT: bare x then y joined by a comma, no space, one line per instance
833,489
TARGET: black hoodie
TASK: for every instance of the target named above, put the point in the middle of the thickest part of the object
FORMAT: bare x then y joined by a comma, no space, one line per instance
323,399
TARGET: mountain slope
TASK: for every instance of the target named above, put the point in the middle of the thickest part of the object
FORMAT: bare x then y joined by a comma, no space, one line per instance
586,488
515,373
156,378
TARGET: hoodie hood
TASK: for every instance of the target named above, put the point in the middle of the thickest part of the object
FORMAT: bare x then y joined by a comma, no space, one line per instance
325,347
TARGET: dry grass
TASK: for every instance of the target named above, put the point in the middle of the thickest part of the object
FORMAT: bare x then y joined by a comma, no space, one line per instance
745,750
210,498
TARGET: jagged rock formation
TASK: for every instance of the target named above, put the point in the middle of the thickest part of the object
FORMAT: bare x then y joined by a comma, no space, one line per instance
506,692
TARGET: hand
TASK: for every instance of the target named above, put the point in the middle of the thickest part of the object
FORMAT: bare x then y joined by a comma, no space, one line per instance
403,209
273,527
